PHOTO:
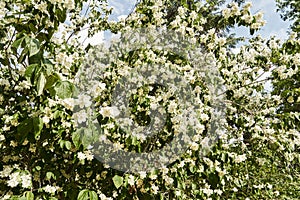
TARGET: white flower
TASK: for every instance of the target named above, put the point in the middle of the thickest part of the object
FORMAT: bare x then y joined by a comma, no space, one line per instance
42,7
257,128
273,44
83,101
118,146
194,146
172,107
208,191
115,194
176,22
240,158
199,128
168,180
69,4
256,25
89,156
296,59
80,116
226,13
26,181
204,117
143,174
247,18
181,164
153,176
193,15
6,171
46,120
14,179
102,197
235,9
181,11
260,186
2,137
109,111
50,189
68,103
131,180
81,156
102,86
269,186
259,16
7,196
155,189
218,191
205,142
25,84
177,193
164,170
247,5
2,9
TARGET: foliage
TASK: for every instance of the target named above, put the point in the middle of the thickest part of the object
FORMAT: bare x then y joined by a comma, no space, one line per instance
42,157
290,10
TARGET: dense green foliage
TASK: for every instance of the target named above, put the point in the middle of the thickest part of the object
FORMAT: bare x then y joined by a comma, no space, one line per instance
42,157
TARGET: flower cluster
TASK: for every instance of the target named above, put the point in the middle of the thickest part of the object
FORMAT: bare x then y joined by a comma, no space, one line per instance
48,140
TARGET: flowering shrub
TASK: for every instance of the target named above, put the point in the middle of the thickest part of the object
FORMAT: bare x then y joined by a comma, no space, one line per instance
47,152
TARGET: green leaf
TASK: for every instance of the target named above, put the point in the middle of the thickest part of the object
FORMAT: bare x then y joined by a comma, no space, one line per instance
29,195
51,80
87,194
87,136
48,66
23,129
4,61
36,59
118,181
68,145
31,126
33,46
76,139
192,169
30,70
41,84
134,141
31,73
61,143
32,27
64,89
61,15
18,42
37,126
83,195
50,175
93,195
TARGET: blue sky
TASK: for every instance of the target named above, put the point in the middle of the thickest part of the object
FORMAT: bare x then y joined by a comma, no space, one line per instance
275,25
